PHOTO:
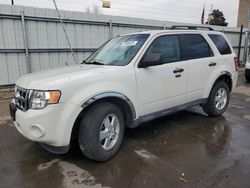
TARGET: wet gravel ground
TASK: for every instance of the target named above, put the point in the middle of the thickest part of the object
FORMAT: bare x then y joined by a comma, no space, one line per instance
186,149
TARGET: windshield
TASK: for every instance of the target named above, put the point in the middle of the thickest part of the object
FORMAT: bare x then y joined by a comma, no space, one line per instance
118,51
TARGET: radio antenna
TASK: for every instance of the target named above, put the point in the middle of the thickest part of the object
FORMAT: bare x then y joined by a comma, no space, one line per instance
64,30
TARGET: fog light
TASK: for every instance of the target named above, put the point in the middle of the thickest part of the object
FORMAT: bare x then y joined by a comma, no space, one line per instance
37,131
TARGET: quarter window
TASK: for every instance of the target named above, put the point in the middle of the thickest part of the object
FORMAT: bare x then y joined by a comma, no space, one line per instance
221,44
167,47
195,46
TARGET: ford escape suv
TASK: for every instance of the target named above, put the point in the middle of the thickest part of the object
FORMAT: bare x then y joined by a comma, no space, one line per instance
129,80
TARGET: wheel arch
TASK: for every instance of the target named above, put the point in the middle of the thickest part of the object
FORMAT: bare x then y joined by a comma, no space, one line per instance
122,101
227,77
224,75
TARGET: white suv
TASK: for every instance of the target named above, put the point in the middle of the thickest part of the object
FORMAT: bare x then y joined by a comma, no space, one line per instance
129,80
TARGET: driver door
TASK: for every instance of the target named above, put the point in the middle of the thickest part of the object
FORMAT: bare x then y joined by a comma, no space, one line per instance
163,84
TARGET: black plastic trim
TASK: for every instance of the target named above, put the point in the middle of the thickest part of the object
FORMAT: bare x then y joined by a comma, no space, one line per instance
190,27
110,94
152,116
55,149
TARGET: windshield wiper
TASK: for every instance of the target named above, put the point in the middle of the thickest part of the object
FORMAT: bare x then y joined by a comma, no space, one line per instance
94,63
84,61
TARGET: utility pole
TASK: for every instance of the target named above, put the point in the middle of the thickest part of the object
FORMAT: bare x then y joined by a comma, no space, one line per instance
210,16
12,2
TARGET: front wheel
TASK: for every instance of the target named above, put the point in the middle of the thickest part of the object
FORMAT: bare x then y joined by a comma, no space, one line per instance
101,131
218,99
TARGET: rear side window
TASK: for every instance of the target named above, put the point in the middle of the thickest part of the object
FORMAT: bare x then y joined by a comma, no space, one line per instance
221,44
195,47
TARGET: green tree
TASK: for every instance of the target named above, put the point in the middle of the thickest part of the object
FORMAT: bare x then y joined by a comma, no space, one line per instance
216,18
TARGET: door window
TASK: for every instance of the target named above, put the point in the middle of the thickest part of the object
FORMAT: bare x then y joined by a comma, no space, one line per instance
167,47
195,47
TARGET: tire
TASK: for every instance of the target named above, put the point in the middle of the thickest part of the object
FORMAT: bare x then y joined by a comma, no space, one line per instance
247,75
212,108
92,127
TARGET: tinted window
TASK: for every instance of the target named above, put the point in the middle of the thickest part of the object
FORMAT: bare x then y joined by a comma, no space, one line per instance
167,47
221,44
195,46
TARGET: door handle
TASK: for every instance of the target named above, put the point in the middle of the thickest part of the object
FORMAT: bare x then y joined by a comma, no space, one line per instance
177,75
178,70
212,64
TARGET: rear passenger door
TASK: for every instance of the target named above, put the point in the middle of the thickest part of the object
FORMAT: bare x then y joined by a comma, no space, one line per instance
226,53
200,62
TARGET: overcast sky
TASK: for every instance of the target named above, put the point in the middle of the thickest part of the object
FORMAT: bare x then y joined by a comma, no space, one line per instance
172,10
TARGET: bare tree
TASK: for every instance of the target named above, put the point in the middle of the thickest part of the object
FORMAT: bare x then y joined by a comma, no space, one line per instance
96,9
87,10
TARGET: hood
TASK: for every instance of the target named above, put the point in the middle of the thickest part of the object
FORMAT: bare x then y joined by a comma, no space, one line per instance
51,79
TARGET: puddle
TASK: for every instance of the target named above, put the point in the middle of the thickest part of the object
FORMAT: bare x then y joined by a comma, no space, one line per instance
44,166
6,119
74,177
242,90
247,100
145,154
246,117
236,106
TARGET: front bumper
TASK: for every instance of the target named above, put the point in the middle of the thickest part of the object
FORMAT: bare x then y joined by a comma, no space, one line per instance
51,125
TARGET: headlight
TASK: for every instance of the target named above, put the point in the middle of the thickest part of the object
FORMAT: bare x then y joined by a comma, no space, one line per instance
40,99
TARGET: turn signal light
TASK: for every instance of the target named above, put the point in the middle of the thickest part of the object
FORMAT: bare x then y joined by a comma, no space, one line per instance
54,97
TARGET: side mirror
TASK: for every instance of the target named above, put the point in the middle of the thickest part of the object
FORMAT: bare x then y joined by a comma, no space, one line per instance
150,59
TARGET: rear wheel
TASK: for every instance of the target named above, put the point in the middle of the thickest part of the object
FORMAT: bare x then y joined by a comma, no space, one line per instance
101,131
247,75
218,99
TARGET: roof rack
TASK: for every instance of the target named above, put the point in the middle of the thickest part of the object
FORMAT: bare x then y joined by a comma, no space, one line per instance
191,27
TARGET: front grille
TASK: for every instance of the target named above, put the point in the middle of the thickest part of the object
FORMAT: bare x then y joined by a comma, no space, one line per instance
21,98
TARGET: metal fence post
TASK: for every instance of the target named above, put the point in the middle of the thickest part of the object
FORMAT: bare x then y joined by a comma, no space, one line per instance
248,18
239,50
110,29
25,42
164,27
245,52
